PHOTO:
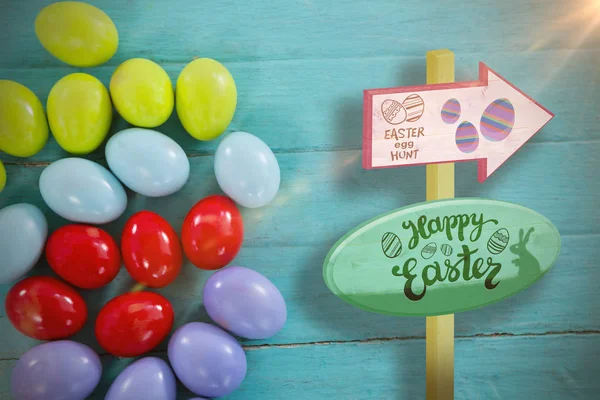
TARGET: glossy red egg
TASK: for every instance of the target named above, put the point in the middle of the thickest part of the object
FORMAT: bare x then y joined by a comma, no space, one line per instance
45,308
151,249
134,323
83,255
213,232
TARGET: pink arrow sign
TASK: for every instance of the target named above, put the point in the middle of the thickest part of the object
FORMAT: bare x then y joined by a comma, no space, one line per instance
486,120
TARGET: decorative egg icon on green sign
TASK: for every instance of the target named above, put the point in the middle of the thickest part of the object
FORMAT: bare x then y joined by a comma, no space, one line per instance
446,250
488,250
429,250
391,245
498,241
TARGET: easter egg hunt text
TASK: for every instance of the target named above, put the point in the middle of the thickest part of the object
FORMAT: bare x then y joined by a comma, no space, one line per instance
404,142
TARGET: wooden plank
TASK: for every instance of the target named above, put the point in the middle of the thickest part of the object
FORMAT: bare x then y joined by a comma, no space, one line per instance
542,367
311,29
277,98
440,185
322,197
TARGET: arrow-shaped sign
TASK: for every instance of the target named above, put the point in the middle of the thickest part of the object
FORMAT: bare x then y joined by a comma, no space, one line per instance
486,120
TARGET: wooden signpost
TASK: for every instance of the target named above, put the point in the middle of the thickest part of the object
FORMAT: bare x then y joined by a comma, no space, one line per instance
444,256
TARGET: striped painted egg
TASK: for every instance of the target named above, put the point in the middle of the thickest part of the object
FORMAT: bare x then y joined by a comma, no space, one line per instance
446,250
498,241
391,245
451,111
498,120
393,112
467,138
414,106
429,250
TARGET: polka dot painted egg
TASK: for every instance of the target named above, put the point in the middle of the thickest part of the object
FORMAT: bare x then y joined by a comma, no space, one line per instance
498,120
451,111
393,112
414,106
467,138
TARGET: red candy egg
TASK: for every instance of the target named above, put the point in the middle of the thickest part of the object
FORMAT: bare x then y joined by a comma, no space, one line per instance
151,250
212,232
134,323
83,255
45,308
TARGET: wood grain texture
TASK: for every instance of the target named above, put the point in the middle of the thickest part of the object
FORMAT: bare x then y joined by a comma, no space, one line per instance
490,368
300,67
321,198
315,105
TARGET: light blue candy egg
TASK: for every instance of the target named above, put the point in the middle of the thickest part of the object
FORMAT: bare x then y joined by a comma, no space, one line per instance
247,170
82,191
147,162
149,378
23,232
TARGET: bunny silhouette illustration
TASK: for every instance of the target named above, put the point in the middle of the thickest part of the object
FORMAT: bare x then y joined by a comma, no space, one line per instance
528,265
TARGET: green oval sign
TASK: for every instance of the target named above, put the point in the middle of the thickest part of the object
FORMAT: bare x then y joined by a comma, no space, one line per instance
441,257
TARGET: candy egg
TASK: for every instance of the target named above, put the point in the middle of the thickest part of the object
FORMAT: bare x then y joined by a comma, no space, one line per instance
212,232
207,360
206,97
77,33
82,191
149,378
45,308
83,255
79,112
147,162
245,303
151,250
467,138
247,170
142,92
57,370
498,120
134,323
498,241
23,232
23,125
2,176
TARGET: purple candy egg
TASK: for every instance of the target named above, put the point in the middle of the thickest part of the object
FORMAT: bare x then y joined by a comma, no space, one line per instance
63,370
148,378
207,360
245,303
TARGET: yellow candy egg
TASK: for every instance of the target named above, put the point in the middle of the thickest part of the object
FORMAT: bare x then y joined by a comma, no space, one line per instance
142,92
2,177
77,33
23,125
79,112
206,98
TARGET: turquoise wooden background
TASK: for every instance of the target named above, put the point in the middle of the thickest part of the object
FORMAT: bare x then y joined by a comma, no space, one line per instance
300,68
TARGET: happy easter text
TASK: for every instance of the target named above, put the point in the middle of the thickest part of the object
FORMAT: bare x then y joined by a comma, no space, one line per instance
468,266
